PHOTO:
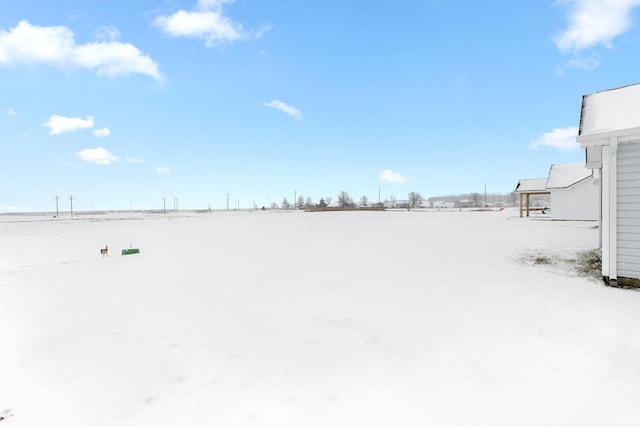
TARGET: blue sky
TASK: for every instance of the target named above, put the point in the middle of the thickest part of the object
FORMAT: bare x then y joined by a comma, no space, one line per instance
125,103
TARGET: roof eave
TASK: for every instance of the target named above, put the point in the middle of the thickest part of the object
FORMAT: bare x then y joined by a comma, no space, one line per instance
604,138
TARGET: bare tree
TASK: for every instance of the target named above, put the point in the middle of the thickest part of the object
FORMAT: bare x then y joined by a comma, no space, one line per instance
328,200
322,203
285,204
393,201
475,199
364,201
300,202
274,205
308,202
514,198
344,200
414,199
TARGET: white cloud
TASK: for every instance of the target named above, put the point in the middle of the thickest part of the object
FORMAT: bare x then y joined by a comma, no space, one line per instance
102,133
595,22
107,33
287,109
55,46
99,156
60,124
163,170
10,112
589,63
206,22
391,176
561,139
133,160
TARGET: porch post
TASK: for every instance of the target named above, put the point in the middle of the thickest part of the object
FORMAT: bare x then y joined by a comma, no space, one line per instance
521,205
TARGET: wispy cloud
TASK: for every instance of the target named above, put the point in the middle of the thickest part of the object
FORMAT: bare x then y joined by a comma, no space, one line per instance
55,46
393,177
163,170
561,139
287,109
101,133
589,63
208,22
594,22
99,156
134,160
107,32
60,124
10,112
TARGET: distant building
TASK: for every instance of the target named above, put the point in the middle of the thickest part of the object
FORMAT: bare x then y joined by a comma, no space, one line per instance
466,203
442,204
399,204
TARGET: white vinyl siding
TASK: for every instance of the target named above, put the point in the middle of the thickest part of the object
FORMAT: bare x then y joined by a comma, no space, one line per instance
628,210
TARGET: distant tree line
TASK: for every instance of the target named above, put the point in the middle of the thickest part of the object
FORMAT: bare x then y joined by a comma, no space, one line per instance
477,199
345,201
414,199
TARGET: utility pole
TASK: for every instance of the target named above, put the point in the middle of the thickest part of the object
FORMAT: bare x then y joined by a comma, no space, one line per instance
71,198
227,200
164,205
295,201
485,195
57,212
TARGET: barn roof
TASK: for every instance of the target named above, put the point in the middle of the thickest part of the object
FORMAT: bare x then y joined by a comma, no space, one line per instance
567,174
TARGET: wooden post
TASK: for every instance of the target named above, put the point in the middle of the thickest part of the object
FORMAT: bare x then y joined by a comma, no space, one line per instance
521,205
527,205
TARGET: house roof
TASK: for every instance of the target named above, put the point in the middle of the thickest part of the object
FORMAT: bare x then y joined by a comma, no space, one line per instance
610,110
567,174
538,185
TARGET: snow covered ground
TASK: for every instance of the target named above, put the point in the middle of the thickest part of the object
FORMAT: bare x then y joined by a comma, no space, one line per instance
310,319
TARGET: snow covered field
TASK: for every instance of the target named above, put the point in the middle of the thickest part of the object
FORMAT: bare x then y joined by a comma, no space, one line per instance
310,319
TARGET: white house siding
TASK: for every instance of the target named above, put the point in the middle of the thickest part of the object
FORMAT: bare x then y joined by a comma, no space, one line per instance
578,202
628,210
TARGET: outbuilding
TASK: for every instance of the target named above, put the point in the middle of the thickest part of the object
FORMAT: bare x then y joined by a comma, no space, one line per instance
527,188
610,133
574,195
